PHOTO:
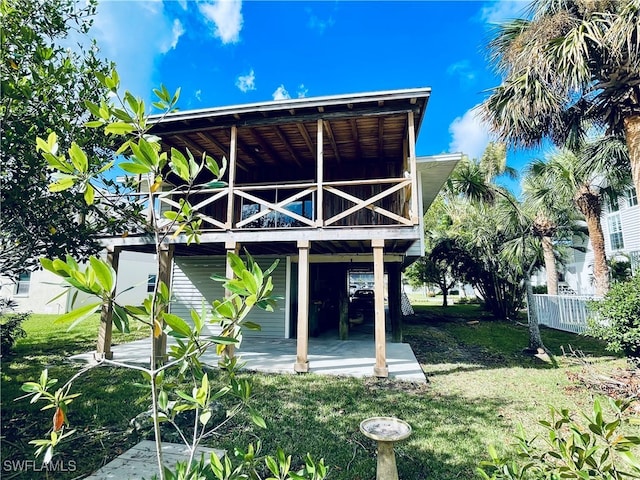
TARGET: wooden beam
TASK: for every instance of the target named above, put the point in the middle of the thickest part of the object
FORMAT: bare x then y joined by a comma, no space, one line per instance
195,148
287,145
307,139
221,148
250,152
230,246
355,137
105,330
414,169
380,138
265,145
320,174
232,175
208,138
302,348
332,140
409,233
165,264
395,301
380,370
374,111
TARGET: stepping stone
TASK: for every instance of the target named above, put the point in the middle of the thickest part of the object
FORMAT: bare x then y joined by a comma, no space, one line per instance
140,461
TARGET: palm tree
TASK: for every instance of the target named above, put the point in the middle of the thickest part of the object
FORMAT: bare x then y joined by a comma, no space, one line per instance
572,65
586,179
548,219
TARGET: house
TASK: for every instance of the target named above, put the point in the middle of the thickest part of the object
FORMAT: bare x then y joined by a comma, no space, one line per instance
41,291
328,186
621,227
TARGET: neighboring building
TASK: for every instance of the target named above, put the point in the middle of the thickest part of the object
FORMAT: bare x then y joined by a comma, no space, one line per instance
34,291
621,228
331,187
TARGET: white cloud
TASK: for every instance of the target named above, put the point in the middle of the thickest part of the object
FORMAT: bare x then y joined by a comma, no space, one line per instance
316,23
134,35
469,134
176,31
502,10
281,93
302,91
226,15
462,70
198,95
246,82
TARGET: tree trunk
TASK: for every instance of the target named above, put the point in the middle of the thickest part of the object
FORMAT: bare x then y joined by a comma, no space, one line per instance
550,266
590,206
444,297
535,339
600,269
632,134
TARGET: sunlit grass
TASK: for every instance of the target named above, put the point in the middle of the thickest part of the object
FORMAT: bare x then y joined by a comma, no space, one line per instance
481,386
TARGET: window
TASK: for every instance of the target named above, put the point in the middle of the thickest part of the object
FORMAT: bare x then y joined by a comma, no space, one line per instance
151,283
632,197
612,205
615,232
22,287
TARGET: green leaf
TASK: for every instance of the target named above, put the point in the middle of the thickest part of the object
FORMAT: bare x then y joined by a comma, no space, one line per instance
105,274
78,314
119,128
163,400
64,182
257,419
78,158
135,168
120,319
179,164
177,324
89,194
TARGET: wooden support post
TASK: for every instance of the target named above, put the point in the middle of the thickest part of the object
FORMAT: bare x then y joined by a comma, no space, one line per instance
233,154
414,170
343,307
380,370
320,175
231,247
103,348
302,362
165,260
395,299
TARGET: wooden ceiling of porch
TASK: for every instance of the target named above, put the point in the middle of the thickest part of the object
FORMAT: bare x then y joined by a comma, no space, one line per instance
365,127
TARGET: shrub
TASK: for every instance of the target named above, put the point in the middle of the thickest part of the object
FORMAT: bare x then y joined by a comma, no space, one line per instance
594,449
617,320
10,326
540,290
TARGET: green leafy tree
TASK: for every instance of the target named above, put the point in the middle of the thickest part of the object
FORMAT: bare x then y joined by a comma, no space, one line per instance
569,66
250,287
617,319
44,86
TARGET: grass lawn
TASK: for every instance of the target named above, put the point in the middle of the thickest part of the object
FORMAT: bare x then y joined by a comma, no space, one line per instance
480,387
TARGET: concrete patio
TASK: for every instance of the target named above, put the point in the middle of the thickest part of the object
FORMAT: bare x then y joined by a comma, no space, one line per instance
327,356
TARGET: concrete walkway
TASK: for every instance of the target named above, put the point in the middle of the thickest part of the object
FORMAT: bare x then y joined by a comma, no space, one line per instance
140,461
354,358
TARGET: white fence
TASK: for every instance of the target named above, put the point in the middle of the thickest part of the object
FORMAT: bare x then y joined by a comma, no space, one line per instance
563,312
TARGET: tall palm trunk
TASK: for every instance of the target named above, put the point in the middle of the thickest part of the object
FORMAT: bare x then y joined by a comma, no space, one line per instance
632,134
550,265
589,204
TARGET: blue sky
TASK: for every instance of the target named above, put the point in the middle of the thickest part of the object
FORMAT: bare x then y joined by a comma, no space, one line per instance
233,52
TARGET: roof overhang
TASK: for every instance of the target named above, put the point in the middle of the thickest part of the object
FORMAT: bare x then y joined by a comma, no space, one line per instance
434,172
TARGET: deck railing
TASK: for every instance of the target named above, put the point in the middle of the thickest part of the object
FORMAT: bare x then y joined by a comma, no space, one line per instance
287,205
569,313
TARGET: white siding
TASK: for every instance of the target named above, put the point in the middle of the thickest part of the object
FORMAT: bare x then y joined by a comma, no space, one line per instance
133,271
192,283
